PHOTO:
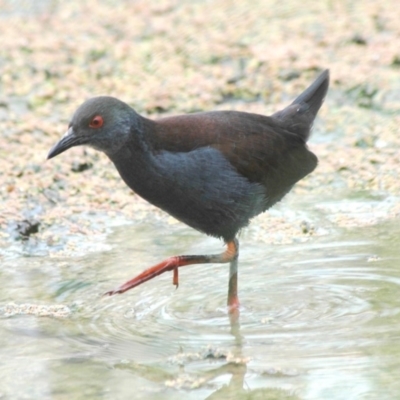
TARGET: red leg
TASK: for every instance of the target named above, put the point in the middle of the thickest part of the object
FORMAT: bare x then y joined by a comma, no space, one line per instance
233,299
173,263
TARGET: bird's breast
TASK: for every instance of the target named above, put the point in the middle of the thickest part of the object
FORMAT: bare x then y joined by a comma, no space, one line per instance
199,188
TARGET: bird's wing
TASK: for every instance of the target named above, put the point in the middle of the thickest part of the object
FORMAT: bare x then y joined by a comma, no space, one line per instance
254,144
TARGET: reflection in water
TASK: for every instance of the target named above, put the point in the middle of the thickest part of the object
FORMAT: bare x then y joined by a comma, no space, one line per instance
237,369
318,320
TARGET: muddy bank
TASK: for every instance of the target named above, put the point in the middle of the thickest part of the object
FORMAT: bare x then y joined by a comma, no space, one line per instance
178,57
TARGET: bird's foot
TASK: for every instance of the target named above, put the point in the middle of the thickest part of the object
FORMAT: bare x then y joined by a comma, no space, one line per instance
234,311
173,263
112,292
166,265
233,305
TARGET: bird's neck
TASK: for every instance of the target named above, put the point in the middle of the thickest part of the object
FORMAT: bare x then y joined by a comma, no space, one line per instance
136,162
137,145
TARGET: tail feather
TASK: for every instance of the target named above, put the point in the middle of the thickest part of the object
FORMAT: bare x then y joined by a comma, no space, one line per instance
315,94
299,116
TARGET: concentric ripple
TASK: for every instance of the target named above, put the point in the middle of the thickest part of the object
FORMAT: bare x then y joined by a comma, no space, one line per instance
317,297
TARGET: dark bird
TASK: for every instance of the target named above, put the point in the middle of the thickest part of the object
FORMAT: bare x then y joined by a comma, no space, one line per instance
214,171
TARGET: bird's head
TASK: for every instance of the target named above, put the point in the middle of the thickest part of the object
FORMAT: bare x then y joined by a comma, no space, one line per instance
103,123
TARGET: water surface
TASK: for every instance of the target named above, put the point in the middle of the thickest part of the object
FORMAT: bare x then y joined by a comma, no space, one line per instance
319,319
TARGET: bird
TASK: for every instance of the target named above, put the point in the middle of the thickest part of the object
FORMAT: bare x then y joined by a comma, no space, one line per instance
213,170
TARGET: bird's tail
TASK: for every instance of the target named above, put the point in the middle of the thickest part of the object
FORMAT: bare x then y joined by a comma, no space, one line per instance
299,116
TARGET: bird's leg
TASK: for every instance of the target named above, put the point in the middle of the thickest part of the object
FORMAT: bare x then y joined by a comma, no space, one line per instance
233,299
173,263
175,279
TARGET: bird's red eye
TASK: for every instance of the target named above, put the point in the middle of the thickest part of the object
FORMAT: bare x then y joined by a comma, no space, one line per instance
96,122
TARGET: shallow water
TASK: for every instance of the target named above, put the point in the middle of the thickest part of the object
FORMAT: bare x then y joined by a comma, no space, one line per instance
318,320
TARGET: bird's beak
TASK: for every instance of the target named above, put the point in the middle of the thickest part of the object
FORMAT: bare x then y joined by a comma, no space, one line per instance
67,141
